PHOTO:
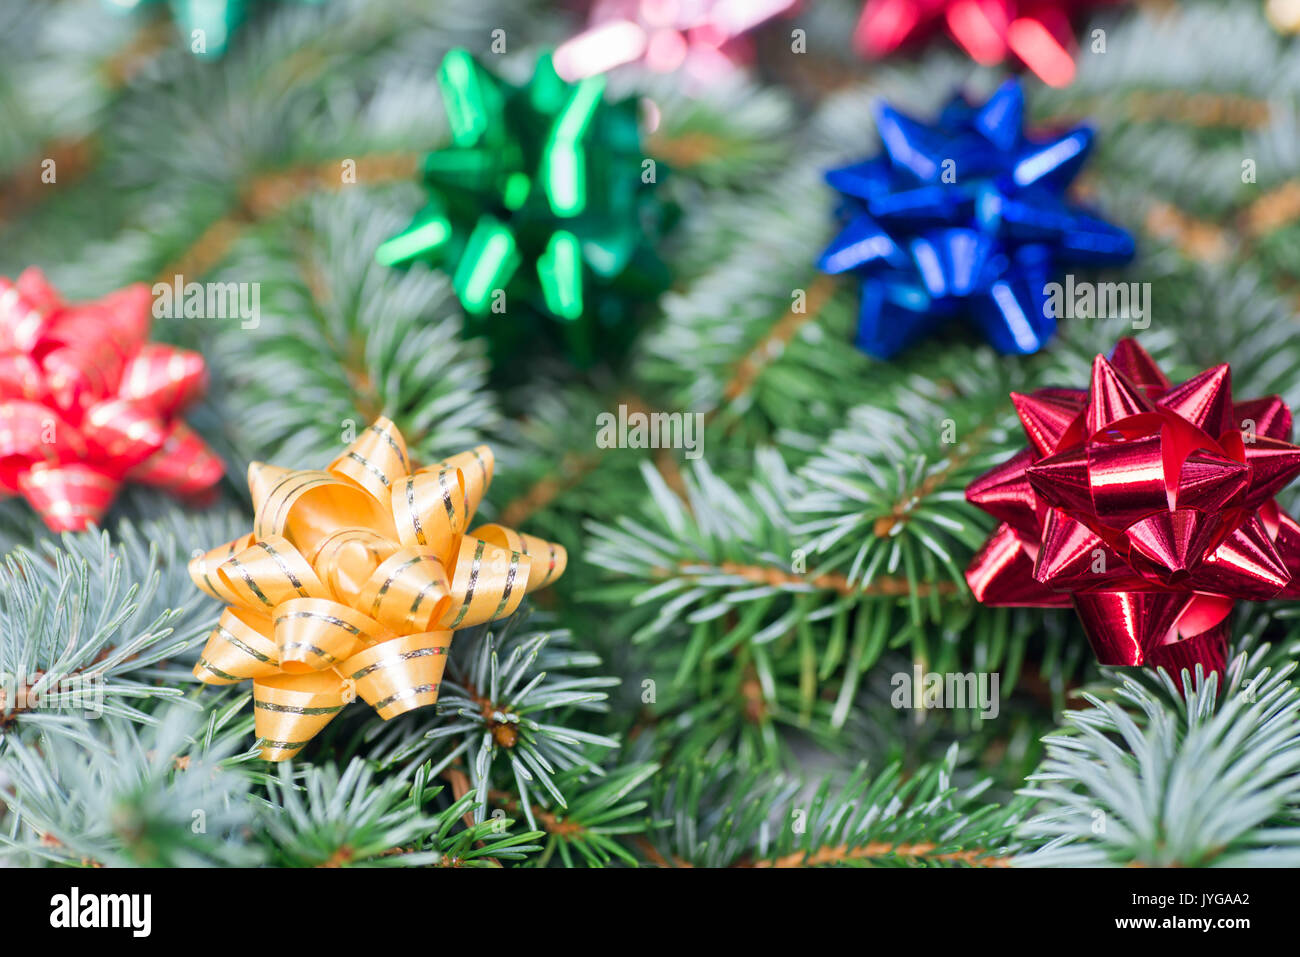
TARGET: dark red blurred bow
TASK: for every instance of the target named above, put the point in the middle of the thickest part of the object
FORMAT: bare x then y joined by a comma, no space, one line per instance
1037,32
87,404
1147,506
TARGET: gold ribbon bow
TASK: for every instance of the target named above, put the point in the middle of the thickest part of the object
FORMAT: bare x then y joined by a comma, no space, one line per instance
352,582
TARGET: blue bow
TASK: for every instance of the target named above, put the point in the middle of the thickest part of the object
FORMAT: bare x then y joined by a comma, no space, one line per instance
965,216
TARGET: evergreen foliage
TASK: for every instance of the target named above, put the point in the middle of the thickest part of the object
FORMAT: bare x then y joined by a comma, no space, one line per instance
710,684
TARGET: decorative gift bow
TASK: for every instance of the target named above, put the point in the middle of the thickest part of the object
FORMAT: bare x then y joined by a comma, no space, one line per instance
86,403
540,193
1037,32
352,582
1147,506
206,26
965,217
701,36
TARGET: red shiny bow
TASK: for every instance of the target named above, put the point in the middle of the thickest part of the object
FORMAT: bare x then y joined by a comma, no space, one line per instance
1147,506
1037,32
87,404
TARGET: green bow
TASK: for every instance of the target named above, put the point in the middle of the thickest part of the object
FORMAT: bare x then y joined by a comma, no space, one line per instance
547,174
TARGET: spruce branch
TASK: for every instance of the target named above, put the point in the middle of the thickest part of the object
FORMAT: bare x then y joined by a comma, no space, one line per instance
592,830
886,493
61,73
342,340
726,818
760,362
505,713
552,492
720,137
1153,778
89,624
122,796
799,573
319,817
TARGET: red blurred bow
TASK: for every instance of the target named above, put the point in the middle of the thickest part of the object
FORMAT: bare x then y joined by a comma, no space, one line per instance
87,404
1147,506
1037,32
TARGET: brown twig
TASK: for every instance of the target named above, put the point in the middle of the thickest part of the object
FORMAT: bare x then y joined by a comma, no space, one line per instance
7,718
574,469
460,786
773,344
885,525
688,149
549,822
74,157
770,575
877,849
843,853
1197,240
271,192
1200,109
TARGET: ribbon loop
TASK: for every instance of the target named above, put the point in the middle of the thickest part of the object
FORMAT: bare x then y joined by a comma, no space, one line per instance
489,583
303,506
164,378
408,592
183,466
203,569
241,646
124,430
476,468
375,460
289,710
429,509
347,558
69,496
314,633
400,675
268,572
547,559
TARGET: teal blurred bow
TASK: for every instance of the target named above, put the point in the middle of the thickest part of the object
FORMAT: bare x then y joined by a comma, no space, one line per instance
215,20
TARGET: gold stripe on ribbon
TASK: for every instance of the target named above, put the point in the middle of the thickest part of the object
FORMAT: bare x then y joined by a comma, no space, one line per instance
268,572
400,675
314,633
376,460
289,710
203,569
241,646
429,509
408,592
548,559
347,558
476,466
307,506
488,583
